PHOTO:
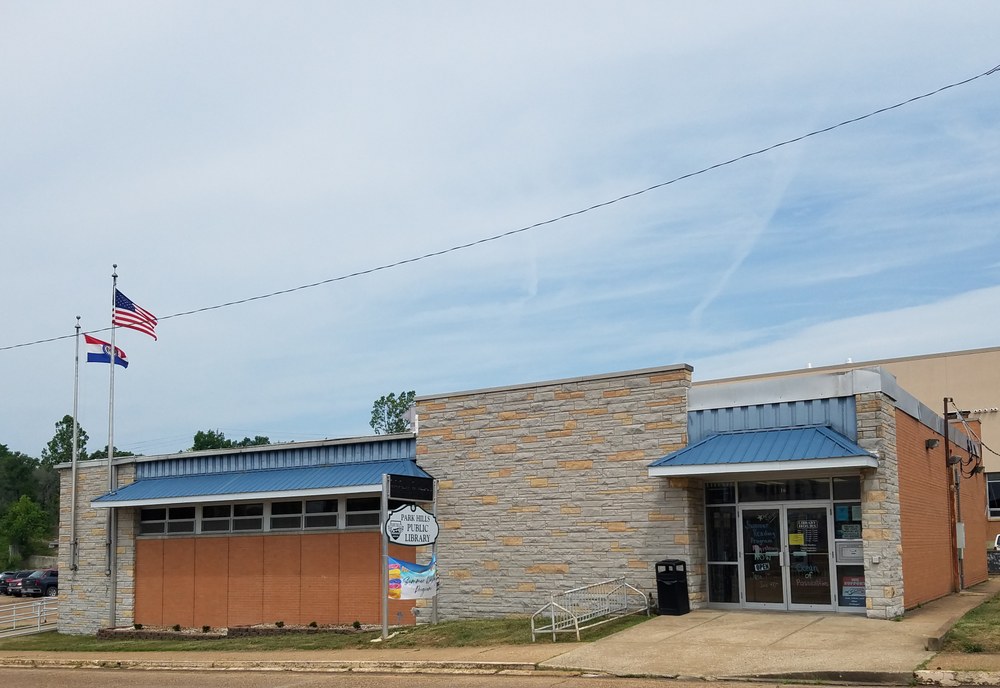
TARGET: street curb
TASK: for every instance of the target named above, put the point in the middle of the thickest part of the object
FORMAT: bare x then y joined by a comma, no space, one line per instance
885,678
334,666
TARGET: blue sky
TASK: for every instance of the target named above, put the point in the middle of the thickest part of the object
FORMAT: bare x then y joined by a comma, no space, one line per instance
219,151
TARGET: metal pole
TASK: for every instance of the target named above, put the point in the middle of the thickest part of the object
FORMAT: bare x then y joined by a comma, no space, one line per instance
385,556
76,454
957,479
434,554
112,539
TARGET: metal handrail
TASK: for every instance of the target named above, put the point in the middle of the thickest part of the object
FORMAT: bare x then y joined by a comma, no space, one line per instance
22,615
607,601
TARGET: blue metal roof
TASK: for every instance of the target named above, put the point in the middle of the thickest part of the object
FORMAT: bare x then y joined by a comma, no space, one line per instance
243,484
779,445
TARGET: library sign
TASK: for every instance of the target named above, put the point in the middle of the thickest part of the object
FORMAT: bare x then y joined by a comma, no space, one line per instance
410,525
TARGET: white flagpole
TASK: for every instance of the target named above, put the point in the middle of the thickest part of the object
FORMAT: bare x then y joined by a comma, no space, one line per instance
112,543
76,454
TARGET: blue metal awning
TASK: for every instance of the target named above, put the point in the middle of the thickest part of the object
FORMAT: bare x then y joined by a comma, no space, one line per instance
279,483
765,451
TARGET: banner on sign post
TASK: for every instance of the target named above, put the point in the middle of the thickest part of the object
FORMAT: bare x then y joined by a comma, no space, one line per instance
409,581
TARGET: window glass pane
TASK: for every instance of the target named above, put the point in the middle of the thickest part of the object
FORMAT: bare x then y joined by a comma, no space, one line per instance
319,506
362,519
151,528
721,527
248,523
152,514
851,586
180,526
279,522
364,504
248,510
847,488
181,512
284,508
321,521
720,493
215,526
993,493
763,491
847,521
723,583
216,511
809,489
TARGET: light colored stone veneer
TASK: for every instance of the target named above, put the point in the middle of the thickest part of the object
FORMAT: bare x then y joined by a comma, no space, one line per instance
84,594
544,487
881,525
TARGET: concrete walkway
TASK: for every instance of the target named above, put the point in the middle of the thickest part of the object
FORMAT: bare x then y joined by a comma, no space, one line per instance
702,644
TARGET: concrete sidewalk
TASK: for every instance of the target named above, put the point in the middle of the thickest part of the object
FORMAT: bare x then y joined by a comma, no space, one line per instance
702,644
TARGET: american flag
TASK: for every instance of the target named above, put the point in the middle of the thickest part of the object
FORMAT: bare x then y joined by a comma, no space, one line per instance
127,314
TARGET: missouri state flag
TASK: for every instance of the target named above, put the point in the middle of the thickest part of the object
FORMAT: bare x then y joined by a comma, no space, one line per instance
99,351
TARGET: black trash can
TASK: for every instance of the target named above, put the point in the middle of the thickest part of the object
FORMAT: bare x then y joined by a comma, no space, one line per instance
672,587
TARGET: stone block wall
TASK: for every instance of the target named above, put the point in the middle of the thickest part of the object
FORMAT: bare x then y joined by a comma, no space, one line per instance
84,594
880,506
544,487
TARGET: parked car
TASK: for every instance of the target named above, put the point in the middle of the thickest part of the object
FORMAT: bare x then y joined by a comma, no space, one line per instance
4,576
41,582
14,583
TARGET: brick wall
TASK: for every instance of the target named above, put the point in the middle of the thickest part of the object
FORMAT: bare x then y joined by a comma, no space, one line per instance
237,580
545,487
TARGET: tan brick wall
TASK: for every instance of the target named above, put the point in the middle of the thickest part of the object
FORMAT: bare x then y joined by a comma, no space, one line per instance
545,487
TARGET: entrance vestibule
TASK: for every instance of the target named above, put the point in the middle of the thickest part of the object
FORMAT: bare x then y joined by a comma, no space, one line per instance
785,544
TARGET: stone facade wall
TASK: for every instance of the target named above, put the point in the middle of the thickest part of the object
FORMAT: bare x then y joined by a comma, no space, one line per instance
880,505
544,487
84,593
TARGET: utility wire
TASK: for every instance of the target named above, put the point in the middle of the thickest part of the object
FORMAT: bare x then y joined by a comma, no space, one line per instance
575,213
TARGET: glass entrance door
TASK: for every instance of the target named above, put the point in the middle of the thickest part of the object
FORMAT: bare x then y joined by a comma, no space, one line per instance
785,557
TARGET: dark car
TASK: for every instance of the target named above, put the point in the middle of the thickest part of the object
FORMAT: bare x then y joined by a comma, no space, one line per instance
41,582
14,583
4,576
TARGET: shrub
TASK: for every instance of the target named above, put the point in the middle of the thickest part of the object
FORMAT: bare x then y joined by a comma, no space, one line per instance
357,625
176,627
313,624
279,624
206,629
137,627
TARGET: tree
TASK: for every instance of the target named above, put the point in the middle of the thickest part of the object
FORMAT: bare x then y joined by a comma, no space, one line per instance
389,413
60,447
215,439
23,525
17,477
103,453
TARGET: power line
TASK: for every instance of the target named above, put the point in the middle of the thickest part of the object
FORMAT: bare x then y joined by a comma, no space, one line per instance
575,213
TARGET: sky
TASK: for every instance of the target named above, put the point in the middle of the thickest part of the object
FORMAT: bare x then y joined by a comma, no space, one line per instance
221,151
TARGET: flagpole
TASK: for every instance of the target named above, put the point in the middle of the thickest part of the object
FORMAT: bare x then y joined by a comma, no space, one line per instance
76,453
112,544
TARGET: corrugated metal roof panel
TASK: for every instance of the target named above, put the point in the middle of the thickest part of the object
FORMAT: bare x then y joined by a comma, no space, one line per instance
283,456
764,446
277,480
837,413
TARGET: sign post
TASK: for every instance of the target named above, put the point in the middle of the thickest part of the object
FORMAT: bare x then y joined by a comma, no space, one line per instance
409,525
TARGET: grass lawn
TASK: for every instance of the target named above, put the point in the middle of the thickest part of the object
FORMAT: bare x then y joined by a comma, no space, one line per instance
513,631
977,631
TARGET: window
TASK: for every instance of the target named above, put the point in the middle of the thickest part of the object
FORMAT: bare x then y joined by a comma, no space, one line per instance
152,521
248,517
363,512
285,515
993,494
216,518
322,513
277,516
